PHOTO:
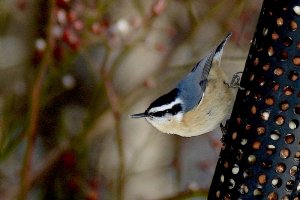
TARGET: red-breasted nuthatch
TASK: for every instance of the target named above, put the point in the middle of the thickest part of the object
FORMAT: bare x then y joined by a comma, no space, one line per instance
185,110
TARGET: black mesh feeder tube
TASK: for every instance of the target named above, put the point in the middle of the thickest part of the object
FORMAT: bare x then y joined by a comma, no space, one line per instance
261,152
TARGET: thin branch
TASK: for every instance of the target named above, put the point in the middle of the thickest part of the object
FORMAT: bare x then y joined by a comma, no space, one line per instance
40,172
48,162
114,102
31,131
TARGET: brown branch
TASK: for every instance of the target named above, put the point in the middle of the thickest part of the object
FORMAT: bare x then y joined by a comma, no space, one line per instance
114,102
47,163
39,173
31,131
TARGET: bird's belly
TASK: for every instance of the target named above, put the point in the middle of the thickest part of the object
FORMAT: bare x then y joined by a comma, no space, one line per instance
196,122
215,106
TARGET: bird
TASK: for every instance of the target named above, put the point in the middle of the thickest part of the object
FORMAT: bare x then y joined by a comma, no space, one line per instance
199,102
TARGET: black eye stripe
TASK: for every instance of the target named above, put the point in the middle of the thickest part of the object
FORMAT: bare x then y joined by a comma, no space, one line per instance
158,114
174,110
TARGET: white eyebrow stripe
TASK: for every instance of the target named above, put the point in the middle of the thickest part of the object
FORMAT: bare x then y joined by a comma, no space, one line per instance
165,107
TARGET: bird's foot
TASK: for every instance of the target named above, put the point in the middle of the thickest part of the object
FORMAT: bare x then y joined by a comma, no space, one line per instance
235,81
224,130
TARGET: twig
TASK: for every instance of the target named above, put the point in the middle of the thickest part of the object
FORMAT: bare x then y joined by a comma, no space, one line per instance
114,102
48,162
31,131
39,173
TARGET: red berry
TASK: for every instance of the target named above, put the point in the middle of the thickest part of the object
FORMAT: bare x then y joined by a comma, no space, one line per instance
22,4
92,195
72,16
78,25
72,184
105,23
58,51
37,57
158,7
96,28
69,159
63,3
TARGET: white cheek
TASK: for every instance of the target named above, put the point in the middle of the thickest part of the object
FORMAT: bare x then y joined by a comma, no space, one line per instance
165,120
178,117
157,120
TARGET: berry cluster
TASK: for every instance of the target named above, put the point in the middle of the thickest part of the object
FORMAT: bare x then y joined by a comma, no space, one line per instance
68,26
66,29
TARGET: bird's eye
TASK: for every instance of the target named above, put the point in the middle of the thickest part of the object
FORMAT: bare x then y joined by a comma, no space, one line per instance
169,111
157,114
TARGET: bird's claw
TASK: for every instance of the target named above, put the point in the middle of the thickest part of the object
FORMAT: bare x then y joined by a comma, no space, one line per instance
224,130
235,81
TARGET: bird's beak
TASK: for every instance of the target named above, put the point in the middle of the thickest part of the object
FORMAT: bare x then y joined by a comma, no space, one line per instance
139,115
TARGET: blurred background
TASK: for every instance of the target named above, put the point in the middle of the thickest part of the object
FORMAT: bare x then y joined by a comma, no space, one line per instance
71,71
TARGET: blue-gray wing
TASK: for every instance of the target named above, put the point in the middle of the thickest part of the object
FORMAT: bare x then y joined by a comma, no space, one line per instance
193,86
202,68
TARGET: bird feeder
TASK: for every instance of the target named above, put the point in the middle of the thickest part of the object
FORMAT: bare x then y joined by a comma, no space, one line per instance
261,152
